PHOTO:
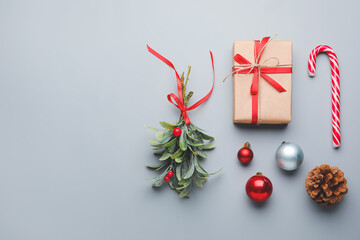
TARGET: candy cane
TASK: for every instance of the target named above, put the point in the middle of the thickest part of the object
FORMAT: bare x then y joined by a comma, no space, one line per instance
335,87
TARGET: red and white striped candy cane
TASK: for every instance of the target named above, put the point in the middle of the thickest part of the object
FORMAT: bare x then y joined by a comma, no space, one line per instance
335,87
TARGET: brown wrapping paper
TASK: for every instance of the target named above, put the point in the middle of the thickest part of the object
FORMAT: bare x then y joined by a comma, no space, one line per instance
273,107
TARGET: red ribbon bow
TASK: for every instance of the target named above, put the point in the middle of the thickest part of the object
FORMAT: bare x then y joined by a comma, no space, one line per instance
258,70
179,102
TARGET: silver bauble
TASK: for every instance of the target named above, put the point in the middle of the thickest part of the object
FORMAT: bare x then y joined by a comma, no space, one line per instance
289,156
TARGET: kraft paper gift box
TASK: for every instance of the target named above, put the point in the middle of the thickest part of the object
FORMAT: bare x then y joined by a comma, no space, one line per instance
265,99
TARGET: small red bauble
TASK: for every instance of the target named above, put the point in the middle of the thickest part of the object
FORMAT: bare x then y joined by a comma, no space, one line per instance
170,174
245,154
166,178
259,188
177,132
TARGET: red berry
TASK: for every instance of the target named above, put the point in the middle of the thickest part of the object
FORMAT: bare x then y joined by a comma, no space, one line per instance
166,178
177,132
170,174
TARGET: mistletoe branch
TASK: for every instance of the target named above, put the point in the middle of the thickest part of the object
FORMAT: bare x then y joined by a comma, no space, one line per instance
181,148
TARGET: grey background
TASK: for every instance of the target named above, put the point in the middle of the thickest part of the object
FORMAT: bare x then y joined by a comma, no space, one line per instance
77,87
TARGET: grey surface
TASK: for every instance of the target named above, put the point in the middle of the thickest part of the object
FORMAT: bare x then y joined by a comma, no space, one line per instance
77,86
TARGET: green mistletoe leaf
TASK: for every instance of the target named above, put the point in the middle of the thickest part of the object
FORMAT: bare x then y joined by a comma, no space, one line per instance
184,183
153,166
184,167
179,159
156,145
171,149
162,134
159,152
177,154
205,136
152,128
193,152
201,153
197,128
195,144
165,156
191,168
178,172
197,180
216,172
185,192
199,168
158,167
167,125
182,139
166,138
170,143
190,133
208,146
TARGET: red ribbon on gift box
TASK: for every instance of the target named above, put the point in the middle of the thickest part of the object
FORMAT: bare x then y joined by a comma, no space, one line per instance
179,102
246,67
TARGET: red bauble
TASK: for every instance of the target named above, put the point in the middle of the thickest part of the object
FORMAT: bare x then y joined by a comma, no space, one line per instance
166,178
259,188
170,174
245,154
177,132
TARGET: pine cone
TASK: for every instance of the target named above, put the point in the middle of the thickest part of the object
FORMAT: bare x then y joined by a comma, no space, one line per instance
326,185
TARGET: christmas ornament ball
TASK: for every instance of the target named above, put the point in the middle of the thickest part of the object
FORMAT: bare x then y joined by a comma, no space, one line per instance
245,154
289,156
177,132
259,188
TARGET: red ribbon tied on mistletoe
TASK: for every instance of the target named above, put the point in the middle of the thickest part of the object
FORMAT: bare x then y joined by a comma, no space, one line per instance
179,101
246,67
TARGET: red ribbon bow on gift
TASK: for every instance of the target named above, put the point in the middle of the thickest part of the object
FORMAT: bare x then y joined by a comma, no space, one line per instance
247,67
179,102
